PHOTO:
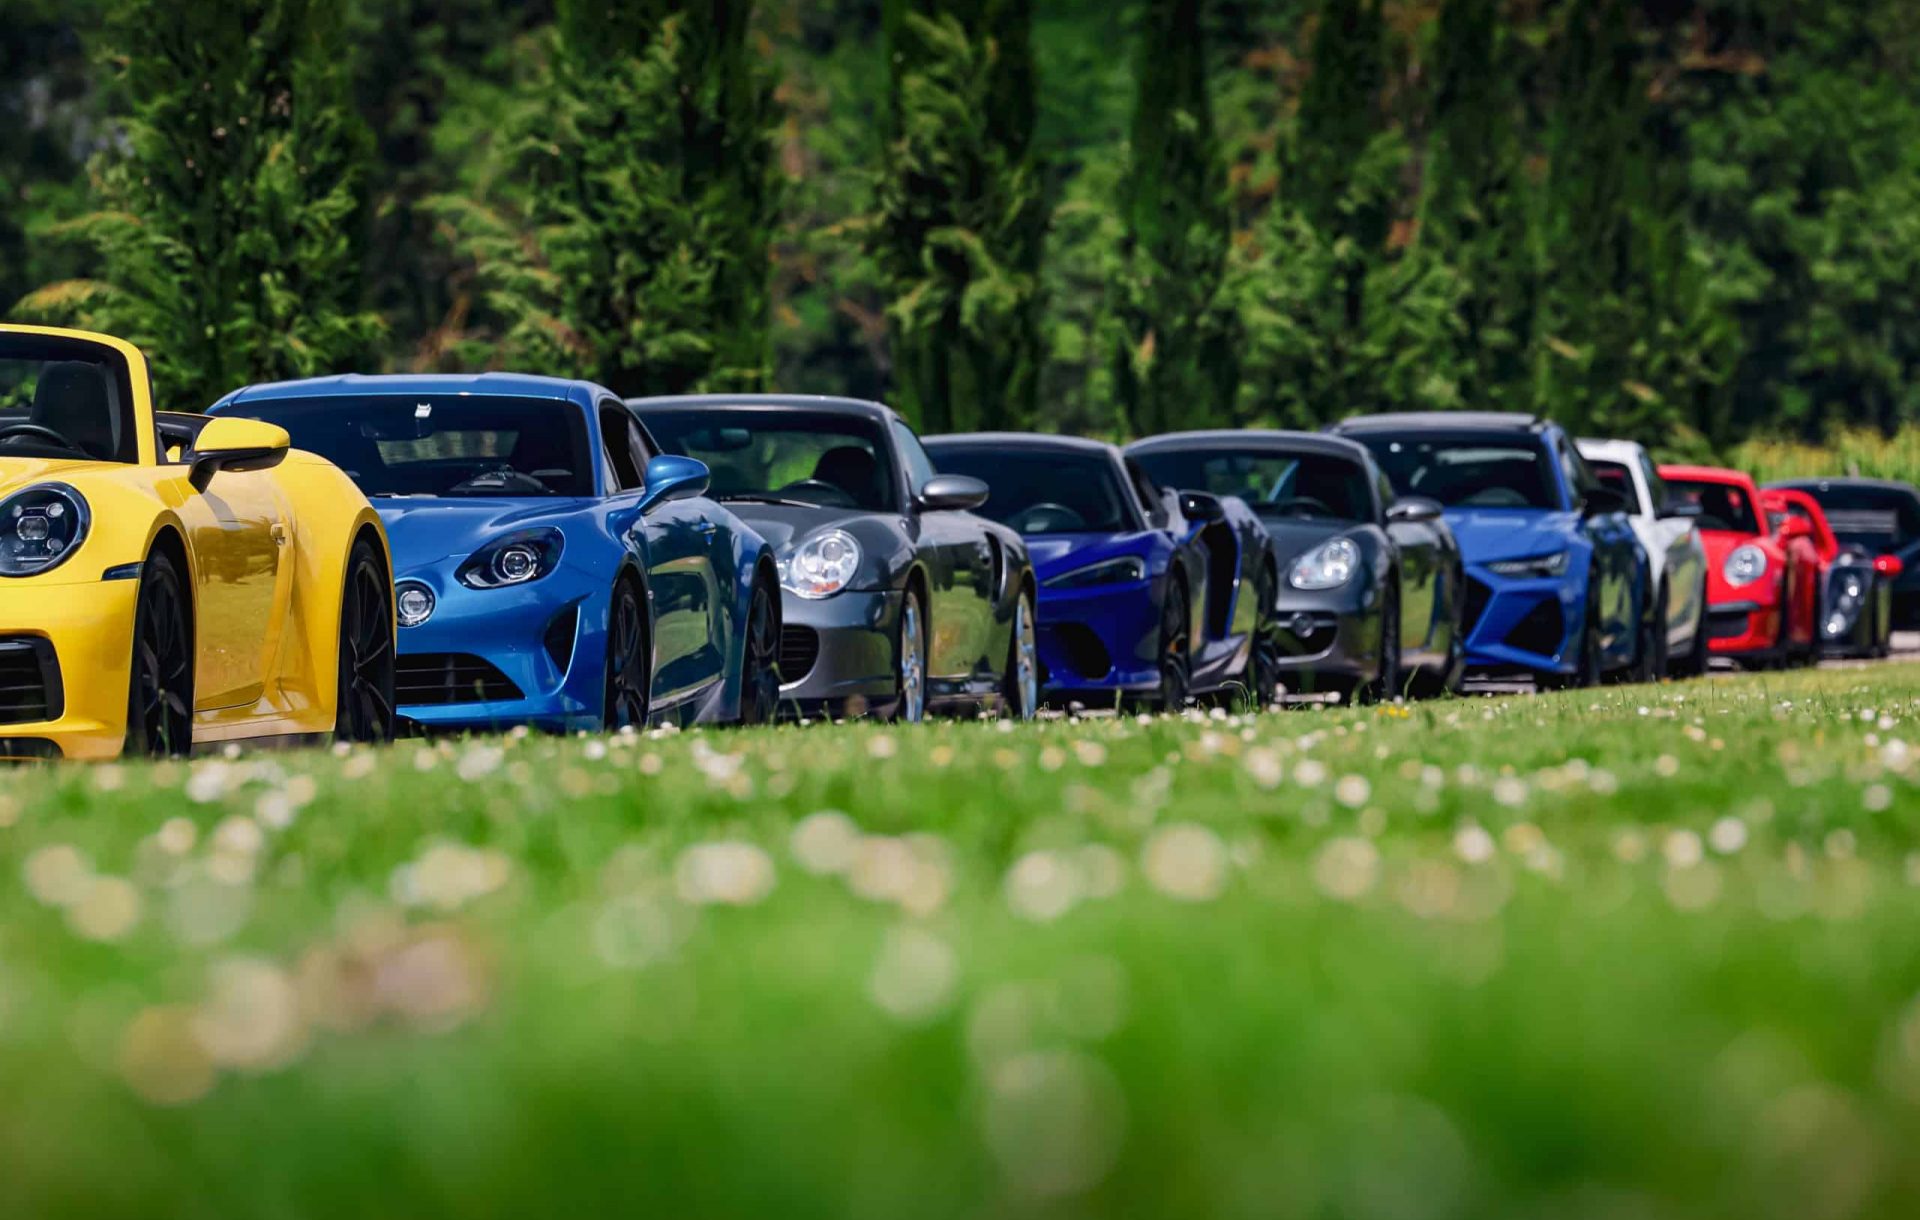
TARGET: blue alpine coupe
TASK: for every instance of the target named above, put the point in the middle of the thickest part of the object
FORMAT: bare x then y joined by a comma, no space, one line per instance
1145,593
551,566
1557,584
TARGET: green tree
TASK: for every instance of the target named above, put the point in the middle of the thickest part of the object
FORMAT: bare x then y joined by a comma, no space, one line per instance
960,220
1174,362
231,220
629,243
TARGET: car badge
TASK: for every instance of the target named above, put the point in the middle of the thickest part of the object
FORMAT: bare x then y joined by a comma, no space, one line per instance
421,410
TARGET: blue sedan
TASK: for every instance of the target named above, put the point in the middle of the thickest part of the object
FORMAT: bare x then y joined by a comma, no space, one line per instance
552,567
1558,587
1145,593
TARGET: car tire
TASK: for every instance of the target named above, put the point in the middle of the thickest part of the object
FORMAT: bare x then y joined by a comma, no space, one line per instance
910,660
364,695
1020,680
629,681
1263,666
1385,686
760,658
1650,643
1176,647
1587,671
160,685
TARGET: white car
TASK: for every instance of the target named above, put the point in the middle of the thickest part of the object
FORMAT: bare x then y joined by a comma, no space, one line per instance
1668,533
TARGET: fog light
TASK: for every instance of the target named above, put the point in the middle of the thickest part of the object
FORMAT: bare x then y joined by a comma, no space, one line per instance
1836,624
415,603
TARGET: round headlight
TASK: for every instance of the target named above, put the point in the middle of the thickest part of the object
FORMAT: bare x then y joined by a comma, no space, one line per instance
822,565
40,527
1327,566
515,564
415,603
1745,565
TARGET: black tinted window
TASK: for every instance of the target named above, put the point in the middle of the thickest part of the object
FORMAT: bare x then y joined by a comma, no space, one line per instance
1616,476
777,453
1055,492
1722,506
441,444
1468,470
60,398
1872,517
1274,483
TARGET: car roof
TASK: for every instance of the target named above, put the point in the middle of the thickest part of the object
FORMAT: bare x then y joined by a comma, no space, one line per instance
518,385
1253,438
1023,440
1707,474
799,402
1442,421
1609,450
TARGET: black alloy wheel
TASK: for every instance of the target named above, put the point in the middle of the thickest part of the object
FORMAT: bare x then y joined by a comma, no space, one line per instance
760,660
365,711
1263,671
629,667
1176,647
160,691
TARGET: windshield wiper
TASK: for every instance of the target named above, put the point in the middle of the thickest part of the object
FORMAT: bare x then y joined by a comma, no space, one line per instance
752,498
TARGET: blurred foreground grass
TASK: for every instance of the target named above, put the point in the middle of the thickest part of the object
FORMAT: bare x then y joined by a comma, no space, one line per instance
1637,953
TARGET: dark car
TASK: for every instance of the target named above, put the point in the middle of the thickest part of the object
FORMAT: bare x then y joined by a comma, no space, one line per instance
1882,518
897,598
1145,593
1558,586
1856,586
1369,595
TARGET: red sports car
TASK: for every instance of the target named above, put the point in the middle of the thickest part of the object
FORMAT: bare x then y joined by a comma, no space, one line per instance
1856,586
1763,588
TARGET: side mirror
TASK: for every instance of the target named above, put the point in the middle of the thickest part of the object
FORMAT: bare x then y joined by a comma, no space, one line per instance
231,443
952,493
1199,507
1795,527
1414,510
670,477
1889,565
1600,501
1680,510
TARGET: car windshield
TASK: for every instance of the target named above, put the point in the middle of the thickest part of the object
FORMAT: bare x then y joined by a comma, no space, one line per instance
441,444
1051,491
1467,470
1617,476
1273,482
64,398
825,458
1722,505
1879,518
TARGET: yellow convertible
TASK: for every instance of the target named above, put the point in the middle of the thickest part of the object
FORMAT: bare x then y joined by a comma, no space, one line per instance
169,581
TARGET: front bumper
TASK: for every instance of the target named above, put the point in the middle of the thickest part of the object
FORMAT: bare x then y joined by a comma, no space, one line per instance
86,631
1529,623
1748,630
1325,642
532,654
837,653
1099,640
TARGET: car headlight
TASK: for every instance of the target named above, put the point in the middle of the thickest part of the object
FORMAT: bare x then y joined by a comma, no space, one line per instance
1745,565
1327,566
821,566
40,528
517,559
1107,572
413,603
1536,565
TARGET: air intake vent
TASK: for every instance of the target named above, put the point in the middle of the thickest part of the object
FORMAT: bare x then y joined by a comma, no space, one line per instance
30,690
436,679
799,650
558,640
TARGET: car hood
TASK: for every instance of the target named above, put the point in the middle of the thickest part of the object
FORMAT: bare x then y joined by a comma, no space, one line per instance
430,528
1294,537
784,525
1053,554
18,472
1489,535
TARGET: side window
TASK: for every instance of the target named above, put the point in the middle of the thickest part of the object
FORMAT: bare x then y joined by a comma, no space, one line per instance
913,458
637,445
1656,490
1149,495
1384,489
617,442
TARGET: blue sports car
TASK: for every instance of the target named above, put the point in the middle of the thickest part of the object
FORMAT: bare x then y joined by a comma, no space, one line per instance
1557,584
1145,593
552,567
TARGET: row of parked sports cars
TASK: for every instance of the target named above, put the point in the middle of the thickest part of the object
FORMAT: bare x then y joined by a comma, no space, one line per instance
351,556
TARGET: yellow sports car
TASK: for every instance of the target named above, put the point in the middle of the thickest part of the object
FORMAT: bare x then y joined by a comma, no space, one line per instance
169,581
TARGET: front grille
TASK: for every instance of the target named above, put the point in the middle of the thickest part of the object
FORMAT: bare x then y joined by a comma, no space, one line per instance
26,749
799,649
1474,604
1085,654
1541,630
30,690
1726,624
558,640
437,678
1307,633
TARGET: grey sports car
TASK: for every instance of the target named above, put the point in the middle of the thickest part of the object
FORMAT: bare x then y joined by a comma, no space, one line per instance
1369,594
897,598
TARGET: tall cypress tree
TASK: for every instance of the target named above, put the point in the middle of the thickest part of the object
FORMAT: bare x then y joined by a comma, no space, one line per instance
231,222
631,244
1174,361
960,220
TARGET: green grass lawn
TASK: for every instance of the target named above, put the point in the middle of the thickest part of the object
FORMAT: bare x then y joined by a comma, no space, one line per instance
1647,952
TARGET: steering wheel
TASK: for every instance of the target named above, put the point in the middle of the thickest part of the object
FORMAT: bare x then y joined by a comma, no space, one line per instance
498,478
835,495
40,430
1046,517
1296,506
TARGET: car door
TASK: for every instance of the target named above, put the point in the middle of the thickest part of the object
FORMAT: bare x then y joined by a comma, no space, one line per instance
239,533
688,646
962,567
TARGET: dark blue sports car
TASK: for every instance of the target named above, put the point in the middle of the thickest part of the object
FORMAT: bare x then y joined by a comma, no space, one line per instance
1557,584
552,567
1145,593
